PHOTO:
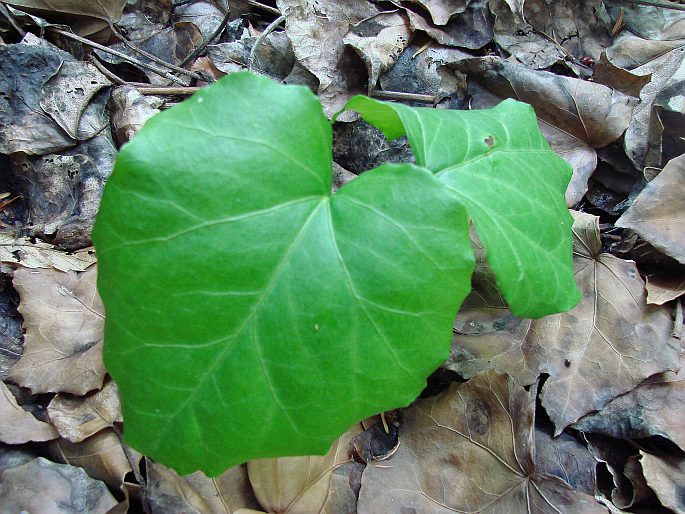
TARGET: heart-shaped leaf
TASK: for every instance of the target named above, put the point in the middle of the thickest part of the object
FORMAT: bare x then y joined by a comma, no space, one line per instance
250,312
499,166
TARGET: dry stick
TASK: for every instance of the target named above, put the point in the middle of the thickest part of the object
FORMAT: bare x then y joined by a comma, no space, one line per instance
5,12
152,57
136,470
167,90
192,55
656,3
107,73
266,8
403,97
127,58
268,30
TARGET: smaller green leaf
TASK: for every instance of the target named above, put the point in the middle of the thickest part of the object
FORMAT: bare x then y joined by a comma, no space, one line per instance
498,165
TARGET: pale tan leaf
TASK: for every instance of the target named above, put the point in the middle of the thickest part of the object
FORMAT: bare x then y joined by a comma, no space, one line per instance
42,255
130,110
77,418
442,10
63,318
101,456
298,484
469,449
18,426
658,213
666,476
44,487
664,288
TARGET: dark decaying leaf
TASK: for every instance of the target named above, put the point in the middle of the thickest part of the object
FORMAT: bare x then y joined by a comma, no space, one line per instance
469,449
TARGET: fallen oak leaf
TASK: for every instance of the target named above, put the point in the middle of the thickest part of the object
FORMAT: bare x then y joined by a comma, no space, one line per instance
63,318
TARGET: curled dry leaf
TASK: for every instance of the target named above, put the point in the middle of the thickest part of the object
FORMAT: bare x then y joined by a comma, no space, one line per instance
666,476
89,19
662,289
39,254
63,318
130,110
604,347
469,449
77,418
18,426
228,493
379,41
46,487
590,112
101,456
470,29
442,10
316,31
658,213
655,407
299,484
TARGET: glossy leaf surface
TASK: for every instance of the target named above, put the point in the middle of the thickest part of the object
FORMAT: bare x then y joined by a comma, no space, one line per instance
499,166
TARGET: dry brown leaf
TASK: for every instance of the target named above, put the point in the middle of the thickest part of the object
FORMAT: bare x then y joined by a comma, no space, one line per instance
590,112
469,449
77,418
379,41
63,318
605,72
298,484
655,407
87,18
130,110
39,254
662,289
470,29
42,486
18,426
442,10
666,476
658,213
316,31
602,348
101,456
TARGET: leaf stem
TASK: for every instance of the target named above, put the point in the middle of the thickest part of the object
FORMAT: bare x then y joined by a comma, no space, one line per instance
656,3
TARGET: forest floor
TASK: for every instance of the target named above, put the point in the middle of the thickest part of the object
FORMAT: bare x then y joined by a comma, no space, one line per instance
576,412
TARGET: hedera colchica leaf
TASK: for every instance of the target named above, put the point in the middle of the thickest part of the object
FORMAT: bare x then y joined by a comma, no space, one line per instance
499,166
250,313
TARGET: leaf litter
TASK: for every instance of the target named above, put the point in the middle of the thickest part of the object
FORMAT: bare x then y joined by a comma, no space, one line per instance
606,80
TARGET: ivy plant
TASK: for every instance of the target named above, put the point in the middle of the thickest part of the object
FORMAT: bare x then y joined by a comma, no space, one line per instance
252,313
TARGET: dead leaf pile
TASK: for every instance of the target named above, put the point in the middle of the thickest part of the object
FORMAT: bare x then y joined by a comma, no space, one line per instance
580,412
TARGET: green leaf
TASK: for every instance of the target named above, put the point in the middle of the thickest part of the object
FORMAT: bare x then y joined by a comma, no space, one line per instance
498,165
250,313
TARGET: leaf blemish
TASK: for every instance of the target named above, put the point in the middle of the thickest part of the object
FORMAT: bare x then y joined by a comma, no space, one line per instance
490,141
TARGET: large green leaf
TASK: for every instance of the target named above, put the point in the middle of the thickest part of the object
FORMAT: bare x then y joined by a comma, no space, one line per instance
250,313
499,166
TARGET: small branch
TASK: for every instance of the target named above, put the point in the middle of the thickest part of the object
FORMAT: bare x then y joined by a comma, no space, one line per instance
127,58
268,30
656,3
263,7
5,12
403,97
136,470
192,55
154,58
107,73
168,90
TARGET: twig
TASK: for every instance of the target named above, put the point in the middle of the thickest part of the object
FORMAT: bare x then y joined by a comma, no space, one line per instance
678,324
136,470
107,73
263,7
152,57
192,55
656,3
268,30
168,90
127,58
403,97
5,12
